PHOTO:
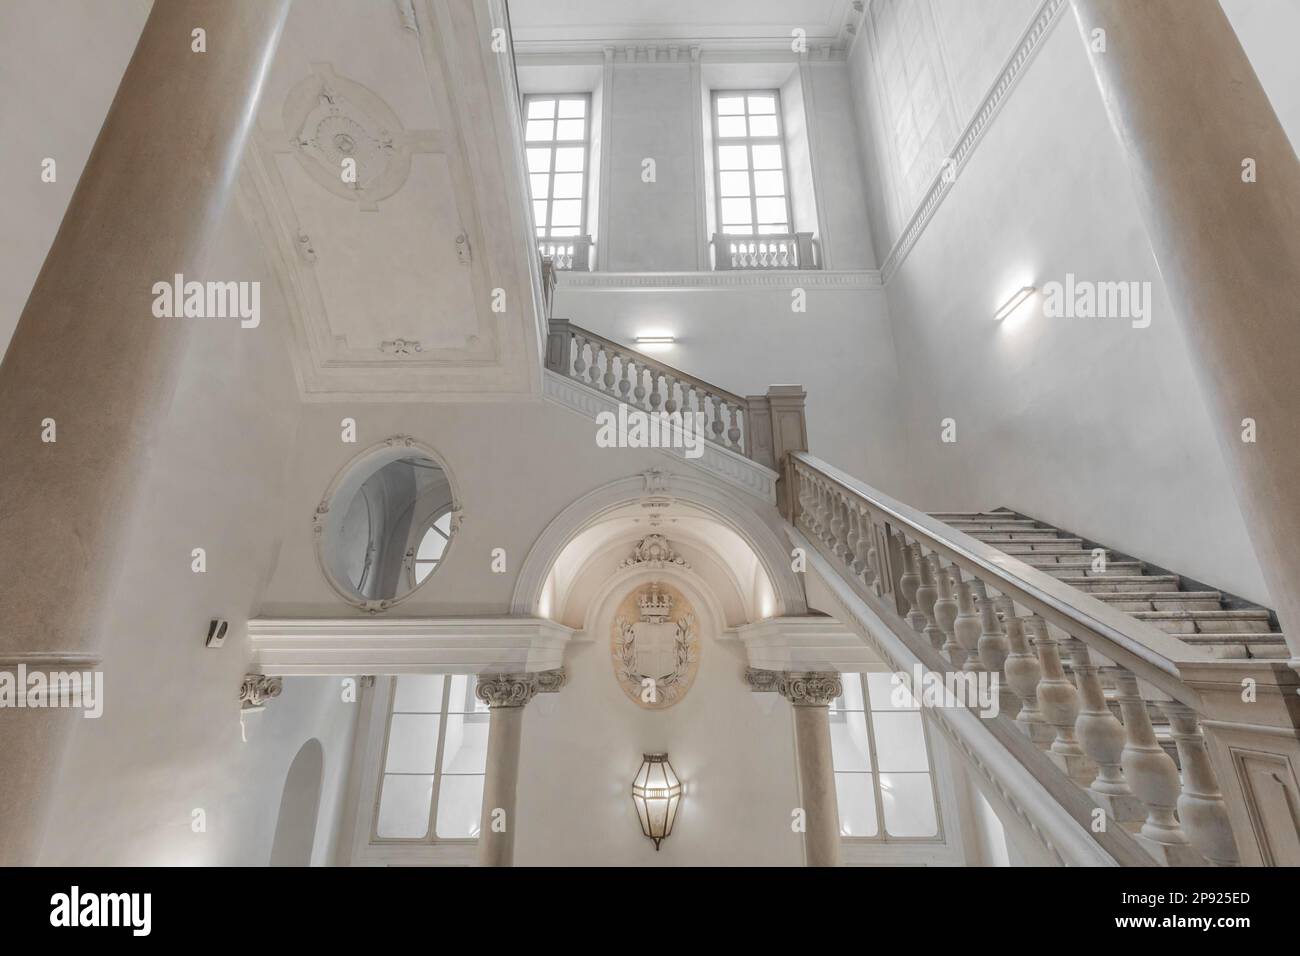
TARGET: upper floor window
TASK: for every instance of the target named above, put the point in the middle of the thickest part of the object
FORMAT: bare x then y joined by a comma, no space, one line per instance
753,196
882,764
435,756
557,136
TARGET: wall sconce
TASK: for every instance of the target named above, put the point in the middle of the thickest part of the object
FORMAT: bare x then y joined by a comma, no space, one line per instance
655,341
1014,302
656,792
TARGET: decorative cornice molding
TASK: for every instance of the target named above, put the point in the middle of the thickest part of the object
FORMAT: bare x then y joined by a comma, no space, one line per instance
367,645
806,643
859,279
815,689
506,690
955,161
257,689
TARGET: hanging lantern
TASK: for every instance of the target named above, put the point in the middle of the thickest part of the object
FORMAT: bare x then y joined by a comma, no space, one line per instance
656,792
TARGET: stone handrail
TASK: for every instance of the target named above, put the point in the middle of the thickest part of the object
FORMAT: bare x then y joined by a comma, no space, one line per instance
1084,680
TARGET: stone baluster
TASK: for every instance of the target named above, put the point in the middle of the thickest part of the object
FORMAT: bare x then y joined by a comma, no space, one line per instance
580,357
670,391
716,426
1023,674
1059,702
909,582
608,378
1101,736
1152,776
839,528
624,381
966,628
656,398
945,612
639,392
1201,807
861,525
926,593
993,647
733,433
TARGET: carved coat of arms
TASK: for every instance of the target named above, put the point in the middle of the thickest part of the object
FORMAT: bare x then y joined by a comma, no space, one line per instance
655,646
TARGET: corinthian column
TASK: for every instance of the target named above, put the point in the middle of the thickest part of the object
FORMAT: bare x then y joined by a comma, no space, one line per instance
89,354
811,695
1218,184
506,696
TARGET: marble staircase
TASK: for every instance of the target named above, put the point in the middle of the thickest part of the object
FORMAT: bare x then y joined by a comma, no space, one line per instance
1226,627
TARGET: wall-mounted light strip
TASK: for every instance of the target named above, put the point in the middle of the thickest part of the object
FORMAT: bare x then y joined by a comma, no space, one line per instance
1014,302
655,340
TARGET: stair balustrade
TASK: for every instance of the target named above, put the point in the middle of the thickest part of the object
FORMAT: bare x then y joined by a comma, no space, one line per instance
646,384
1086,686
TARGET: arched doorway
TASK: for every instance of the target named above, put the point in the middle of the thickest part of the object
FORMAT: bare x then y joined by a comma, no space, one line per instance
295,828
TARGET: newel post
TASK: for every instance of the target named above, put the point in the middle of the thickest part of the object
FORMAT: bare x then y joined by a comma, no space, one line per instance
1250,711
557,346
789,433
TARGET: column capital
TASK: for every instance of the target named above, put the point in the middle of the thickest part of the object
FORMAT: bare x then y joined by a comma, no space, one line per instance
257,689
762,681
507,690
550,682
809,689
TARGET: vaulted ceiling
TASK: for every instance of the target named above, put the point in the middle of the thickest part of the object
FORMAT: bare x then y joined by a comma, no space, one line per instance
384,181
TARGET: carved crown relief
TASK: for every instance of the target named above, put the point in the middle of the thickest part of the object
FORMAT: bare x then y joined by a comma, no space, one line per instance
655,551
331,120
655,646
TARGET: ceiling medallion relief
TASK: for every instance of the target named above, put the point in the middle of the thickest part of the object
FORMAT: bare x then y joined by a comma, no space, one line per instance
332,120
655,646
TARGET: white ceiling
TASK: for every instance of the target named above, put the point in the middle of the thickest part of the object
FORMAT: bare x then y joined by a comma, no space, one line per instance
559,24
392,281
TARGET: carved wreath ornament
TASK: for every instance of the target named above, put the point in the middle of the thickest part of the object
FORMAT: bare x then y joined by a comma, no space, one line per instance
655,646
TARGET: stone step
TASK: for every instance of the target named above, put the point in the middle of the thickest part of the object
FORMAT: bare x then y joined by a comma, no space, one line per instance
1054,546
947,516
1208,622
1163,600
1023,537
1015,524
1075,559
1074,568
1120,583
1240,646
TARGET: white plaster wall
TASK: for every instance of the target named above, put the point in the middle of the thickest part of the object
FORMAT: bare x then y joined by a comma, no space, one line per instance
652,226
1092,425
516,466
732,748
169,741
745,339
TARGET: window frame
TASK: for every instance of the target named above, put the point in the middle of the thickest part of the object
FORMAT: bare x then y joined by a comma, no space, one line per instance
882,835
430,837
750,141
412,560
554,145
